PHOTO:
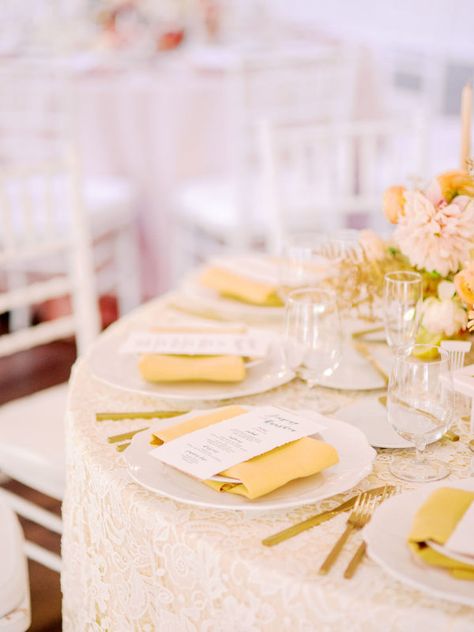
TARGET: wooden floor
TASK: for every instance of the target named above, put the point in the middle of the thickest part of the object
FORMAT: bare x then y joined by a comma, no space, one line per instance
21,375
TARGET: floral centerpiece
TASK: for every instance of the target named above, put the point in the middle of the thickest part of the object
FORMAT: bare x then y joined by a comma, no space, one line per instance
434,235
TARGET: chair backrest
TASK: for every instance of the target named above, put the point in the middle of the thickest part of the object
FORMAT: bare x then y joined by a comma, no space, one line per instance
36,110
42,217
291,84
318,176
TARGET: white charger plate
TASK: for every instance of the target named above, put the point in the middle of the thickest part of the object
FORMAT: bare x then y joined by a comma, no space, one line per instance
386,536
121,371
356,459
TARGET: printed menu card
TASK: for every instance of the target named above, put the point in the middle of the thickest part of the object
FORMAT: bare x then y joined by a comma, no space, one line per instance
238,344
210,450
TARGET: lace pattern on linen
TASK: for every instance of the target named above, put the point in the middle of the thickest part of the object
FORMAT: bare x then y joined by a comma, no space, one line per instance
136,561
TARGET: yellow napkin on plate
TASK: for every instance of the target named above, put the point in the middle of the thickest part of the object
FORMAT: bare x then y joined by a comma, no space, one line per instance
261,474
182,368
436,520
242,288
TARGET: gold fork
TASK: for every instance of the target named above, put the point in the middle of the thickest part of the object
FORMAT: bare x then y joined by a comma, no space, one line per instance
357,519
359,554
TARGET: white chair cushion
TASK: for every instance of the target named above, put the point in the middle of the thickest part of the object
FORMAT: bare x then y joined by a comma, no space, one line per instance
109,201
32,440
13,574
211,205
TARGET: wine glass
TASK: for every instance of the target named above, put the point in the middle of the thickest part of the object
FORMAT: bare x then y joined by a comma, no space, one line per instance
309,259
420,407
313,338
403,294
303,264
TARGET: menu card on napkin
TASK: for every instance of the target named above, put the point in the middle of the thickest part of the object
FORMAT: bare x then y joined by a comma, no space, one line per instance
210,450
461,539
187,343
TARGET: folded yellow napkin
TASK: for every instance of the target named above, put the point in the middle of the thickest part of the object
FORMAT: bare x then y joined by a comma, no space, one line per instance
182,368
239,287
177,368
436,520
267,472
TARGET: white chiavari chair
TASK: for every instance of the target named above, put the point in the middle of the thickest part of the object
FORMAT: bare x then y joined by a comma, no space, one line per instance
224,211
325,177
15,614
37,118
31,428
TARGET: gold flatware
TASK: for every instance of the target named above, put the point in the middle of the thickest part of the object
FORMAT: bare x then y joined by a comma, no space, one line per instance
147,414
124,436
122,446
355,561
357,519
449,434
314,521
361,549
364,351
191,311
366,332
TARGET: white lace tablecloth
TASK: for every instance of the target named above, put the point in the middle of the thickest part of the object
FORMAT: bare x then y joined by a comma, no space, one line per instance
136,561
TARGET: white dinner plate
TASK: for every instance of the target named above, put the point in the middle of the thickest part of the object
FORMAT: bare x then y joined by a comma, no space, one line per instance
355,373
206,298
386,536
121,371
356,458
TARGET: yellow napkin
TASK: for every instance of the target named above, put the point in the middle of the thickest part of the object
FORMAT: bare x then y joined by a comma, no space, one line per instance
267,472
436,520
182,368
242,288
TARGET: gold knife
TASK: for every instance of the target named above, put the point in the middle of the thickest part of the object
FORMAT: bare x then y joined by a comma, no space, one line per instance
366,332
148,414
122,446
364,351
314,521
449,434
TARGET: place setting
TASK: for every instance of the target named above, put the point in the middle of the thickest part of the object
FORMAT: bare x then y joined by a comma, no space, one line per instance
197,361
249,458
235,286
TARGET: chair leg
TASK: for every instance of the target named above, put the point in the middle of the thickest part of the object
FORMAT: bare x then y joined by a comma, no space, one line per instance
44,518
19,317
127,269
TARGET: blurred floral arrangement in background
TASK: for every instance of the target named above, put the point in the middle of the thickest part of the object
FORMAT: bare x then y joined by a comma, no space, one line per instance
143,24
434,235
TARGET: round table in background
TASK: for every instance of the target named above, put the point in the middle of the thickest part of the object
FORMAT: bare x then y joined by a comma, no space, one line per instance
133,560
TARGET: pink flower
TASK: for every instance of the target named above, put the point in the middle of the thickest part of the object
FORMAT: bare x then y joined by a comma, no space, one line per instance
435,235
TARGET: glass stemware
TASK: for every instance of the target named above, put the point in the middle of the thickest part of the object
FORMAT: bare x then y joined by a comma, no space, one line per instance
403,294
314,259
420,407
313,337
